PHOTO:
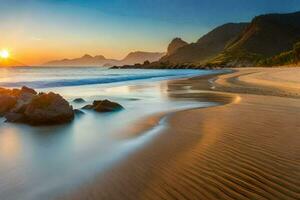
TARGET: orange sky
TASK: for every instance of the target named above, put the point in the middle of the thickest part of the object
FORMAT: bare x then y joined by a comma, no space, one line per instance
36,31
36,51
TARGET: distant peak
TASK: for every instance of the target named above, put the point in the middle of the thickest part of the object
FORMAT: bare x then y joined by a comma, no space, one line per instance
100,57
87,56
175,44
142,53
142,56
177,39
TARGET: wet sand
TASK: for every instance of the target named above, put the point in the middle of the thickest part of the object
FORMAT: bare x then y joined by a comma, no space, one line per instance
248,148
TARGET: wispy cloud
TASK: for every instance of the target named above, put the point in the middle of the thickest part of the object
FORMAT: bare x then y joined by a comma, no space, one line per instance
36,38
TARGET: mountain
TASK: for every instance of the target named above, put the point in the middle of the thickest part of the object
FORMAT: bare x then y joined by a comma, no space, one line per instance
175,44
242,44
140,57
266,36
88,60
9,62
266,39
285,58
207,46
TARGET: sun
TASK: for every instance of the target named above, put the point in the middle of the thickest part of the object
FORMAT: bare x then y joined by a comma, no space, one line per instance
4,54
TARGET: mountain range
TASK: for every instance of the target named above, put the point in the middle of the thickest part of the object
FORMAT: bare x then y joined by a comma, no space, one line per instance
207,47
88,60
265,37
270,39
8,62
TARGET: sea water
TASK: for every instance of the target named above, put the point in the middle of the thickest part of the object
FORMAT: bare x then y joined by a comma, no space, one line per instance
44,162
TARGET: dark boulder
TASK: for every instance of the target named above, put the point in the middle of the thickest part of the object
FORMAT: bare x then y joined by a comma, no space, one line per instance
15,117
26,90
48,108
15,100
88,107
25,95
104,106
26,106
6,103
79,100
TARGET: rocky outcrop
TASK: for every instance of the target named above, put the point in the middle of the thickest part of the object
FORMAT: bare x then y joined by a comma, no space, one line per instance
104,106
175,44
208,46
25,95
7,102
27,106
48,108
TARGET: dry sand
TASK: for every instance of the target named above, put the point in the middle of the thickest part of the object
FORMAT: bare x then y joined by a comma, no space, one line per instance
248,148
283,82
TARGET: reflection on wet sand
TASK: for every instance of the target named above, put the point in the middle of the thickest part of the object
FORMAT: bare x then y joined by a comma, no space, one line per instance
68,155
246,149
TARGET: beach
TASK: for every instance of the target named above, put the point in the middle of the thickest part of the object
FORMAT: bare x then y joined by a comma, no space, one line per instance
150,100
247,148
69,155
230,134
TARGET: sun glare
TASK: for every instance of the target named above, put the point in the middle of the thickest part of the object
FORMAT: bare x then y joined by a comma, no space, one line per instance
4,54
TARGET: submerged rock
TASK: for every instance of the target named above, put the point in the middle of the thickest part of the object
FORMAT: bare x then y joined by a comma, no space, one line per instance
87,107
104,106
79,100
78,112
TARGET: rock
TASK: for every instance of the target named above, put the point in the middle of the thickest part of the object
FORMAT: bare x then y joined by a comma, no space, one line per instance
24,98
7,103
78,112
133,99
15,117
26,106
48,108
175,44
107,106
79,100
104,106
87,107
27,90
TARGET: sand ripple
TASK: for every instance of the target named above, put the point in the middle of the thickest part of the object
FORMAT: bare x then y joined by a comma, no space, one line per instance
249,149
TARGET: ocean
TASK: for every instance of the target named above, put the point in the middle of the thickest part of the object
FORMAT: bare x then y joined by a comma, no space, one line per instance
47,77
45,162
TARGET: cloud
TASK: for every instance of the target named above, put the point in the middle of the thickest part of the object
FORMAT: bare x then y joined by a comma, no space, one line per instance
36,38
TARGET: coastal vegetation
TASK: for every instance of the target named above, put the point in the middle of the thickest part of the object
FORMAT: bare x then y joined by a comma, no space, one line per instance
285,58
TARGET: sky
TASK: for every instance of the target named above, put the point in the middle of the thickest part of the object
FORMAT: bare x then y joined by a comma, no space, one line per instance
36,31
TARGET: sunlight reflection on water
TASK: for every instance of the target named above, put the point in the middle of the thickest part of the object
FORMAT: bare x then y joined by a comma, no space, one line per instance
67,155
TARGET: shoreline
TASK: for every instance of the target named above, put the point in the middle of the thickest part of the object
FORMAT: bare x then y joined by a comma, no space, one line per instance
200,82
79,154
202,161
